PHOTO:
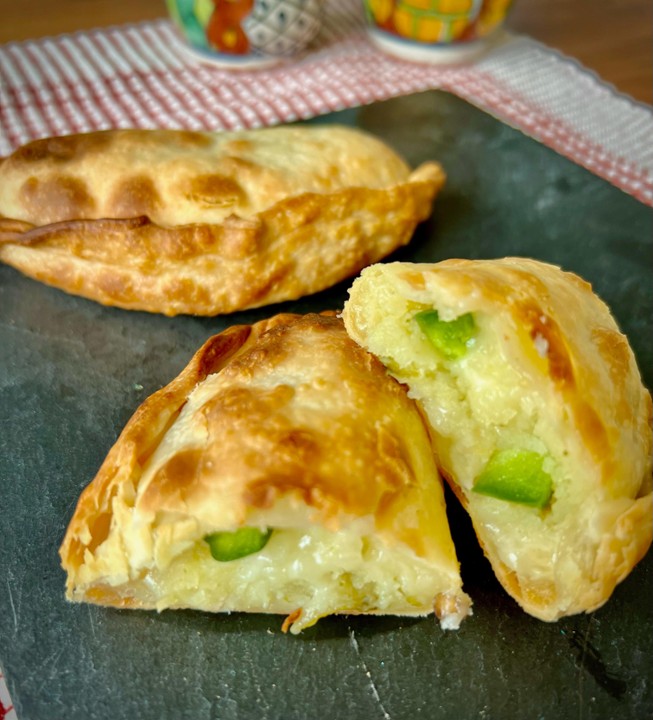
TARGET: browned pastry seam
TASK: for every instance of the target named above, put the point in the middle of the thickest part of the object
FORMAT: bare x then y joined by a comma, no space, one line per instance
14,231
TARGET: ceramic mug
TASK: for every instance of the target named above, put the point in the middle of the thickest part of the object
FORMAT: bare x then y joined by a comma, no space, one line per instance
434,30
246,33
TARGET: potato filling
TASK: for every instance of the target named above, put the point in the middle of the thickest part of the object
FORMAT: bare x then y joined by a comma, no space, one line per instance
509,464
319,571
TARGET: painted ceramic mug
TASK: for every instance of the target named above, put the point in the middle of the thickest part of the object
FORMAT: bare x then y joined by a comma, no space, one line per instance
434,30
246,33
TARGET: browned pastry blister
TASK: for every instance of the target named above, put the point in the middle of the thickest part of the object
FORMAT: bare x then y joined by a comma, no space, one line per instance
207,223
286,425
542,394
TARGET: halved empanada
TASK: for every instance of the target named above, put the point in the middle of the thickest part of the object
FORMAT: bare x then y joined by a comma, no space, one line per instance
539,418
285,451
206,223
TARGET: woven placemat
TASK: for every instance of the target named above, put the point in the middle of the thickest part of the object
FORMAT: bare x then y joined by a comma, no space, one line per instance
142,76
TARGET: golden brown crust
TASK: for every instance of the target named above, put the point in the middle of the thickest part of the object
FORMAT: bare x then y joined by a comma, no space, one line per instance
201,223
91,522
587,360
573,365
284,422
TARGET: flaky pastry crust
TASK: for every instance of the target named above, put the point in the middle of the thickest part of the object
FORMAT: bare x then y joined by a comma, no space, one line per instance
286,424
549,371
207,223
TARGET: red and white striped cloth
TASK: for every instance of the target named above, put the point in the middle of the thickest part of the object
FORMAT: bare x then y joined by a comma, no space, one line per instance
7,711
141,76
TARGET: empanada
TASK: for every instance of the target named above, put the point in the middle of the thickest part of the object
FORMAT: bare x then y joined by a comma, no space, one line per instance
207,223
539,418
285,451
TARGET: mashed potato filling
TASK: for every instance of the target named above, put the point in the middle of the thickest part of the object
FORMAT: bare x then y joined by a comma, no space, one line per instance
480,404
305,574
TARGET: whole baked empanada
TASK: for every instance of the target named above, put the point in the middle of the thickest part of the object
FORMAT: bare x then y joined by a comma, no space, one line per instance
539,419
283,471
206,223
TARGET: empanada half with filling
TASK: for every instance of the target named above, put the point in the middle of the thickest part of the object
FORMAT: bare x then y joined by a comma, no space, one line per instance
206,223
539,418
283,471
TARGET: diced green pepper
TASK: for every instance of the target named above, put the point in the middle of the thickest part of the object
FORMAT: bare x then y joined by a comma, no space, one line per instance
227,546
517,476
450,338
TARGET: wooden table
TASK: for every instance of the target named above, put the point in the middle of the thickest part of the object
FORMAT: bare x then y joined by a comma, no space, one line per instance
612,37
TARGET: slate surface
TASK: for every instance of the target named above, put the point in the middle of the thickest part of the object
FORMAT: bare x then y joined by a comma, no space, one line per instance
72,373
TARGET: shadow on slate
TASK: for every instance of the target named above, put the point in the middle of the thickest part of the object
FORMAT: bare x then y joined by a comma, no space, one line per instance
72,373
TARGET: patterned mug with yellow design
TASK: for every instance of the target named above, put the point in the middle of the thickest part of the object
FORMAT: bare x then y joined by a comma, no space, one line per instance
246,33
434,30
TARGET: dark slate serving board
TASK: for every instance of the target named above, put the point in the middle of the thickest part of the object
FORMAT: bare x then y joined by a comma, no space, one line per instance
72,372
